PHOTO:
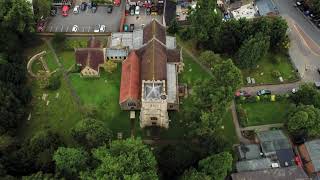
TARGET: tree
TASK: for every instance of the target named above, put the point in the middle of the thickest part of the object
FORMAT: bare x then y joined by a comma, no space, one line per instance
206,22
124,159
209,58
252,50
41,8
6,143
39,176
216,166
110,66
304,118
307,95
70,161
174,27
193,174
278,31
91,133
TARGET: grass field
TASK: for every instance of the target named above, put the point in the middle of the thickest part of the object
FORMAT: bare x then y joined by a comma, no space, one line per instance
67,58
261,113
228,128
267,67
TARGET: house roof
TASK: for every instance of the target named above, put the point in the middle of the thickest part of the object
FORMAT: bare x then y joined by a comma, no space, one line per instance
91,57
253,165
174,55
285,157
130,78
271,141
94,43
313,148
249,151
154,29
288,173
153,58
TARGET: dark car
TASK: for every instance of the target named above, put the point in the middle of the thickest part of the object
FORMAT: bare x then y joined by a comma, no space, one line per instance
109,9
148,11
263,92
83,6
53,11
131,27
242,93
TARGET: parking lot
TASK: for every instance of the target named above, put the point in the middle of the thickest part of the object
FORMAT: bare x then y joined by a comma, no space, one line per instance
86,20
141,19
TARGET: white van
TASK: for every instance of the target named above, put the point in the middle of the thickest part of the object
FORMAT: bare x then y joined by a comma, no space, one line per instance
76,9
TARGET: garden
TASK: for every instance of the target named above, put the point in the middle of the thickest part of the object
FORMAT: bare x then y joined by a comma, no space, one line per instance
262,110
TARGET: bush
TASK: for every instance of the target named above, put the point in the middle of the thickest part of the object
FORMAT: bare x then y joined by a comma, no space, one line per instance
275,60
70,44
58,38
54,81
276,74
186,34
242,116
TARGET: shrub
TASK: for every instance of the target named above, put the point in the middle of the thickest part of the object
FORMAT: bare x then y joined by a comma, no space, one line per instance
58,38
186,34
276,74
70,44
275,60
242,116
54,81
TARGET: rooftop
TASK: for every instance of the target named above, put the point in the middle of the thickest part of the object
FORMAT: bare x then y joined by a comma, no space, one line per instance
253,165
249,151
271,141
313,148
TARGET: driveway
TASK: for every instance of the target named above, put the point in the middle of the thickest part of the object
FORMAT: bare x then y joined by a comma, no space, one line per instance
86,20
142,19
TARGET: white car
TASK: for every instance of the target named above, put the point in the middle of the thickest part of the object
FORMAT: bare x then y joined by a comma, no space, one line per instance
96,28
137,11
75,28
76,9
102,28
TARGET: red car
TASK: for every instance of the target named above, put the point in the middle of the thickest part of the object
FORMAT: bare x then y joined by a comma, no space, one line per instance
242,93
117,2
65,10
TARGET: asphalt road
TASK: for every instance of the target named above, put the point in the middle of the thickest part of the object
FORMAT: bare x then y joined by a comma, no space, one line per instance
305,41
86,20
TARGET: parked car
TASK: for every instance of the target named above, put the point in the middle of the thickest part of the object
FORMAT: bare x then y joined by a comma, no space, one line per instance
148,11
65,10
76,9
97,28
102,28
117,2
137,11
53,11
298,3
294,90
75,28
125,28
83,6
263,92
242,93
109,9
94,7
131,27
132,10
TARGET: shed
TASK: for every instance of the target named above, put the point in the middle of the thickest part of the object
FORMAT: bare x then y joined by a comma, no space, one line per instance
271,141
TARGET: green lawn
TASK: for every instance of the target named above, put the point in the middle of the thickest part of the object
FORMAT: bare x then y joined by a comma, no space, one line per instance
267,67
261,113
67,58
228,128
102,94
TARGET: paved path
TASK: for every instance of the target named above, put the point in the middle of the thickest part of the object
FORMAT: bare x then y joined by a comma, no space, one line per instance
65,74
236,124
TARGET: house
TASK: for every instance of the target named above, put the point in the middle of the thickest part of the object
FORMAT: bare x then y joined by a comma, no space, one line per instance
266,7
254,164
90,59
276,145
153,66
287,173
248,151
310,155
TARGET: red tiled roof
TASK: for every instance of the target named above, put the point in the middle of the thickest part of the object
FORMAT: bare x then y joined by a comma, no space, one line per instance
173,55
91,57
130,78
154,29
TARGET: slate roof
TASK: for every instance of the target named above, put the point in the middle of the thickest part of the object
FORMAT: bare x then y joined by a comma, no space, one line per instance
91,57
288,173
271,141
253,165
154,29
174,55
130,78
153,58
249,151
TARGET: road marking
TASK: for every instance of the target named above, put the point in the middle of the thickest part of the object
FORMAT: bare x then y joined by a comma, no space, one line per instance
61,28
89,28
67,28
51,28
56,29
82,29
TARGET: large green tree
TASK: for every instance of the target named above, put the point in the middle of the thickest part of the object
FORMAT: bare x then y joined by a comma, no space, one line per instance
252,50
124,159
209,58
206,22
70,161
91,133
217,166
193,174
304,118
41,8
307,95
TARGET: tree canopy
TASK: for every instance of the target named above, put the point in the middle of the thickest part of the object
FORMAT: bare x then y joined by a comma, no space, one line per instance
304,118
307,95
91,133
124,159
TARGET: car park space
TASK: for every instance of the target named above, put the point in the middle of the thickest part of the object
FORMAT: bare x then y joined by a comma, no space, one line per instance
307,11
86,19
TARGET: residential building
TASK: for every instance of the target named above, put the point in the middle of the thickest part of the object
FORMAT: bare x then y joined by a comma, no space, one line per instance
310,156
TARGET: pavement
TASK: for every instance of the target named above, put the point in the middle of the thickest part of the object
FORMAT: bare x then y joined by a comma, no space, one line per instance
86,20
304,41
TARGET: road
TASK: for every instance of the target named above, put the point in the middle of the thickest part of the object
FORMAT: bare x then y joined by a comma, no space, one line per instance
304,41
